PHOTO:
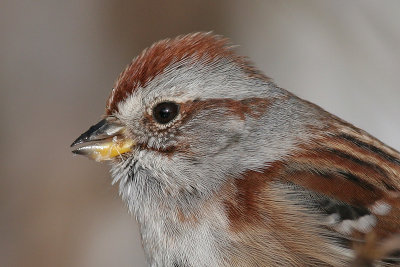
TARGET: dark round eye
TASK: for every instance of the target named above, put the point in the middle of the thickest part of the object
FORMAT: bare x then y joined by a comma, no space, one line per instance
165,112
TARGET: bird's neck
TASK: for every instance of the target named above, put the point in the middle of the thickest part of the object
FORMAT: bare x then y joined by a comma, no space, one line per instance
176,236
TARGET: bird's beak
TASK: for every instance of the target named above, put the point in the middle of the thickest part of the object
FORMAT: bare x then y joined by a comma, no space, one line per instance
103,141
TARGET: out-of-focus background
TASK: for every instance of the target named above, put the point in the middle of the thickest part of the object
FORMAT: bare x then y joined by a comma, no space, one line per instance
58,62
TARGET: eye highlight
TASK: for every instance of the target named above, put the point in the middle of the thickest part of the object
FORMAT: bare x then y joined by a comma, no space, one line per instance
165,112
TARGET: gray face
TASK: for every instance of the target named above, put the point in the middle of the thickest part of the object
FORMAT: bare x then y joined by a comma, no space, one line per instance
228,123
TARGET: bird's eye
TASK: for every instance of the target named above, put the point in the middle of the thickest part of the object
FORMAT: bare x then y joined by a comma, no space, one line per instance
165,112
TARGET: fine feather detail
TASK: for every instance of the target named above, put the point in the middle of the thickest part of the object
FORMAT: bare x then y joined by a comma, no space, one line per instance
155,60
248,174
349,176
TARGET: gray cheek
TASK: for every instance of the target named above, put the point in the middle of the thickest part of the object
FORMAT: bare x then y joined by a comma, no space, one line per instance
215,151
212,133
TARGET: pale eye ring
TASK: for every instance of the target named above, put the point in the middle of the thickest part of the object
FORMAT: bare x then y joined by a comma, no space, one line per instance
165,112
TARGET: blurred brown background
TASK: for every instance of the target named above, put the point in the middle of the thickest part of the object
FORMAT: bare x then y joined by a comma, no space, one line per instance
58,62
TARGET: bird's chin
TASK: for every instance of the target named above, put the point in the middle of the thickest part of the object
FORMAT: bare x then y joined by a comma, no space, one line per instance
123,170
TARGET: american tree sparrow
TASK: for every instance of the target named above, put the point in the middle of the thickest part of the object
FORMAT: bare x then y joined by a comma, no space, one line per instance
221,167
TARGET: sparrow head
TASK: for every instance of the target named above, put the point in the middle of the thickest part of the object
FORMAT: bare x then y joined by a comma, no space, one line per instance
186,115
189,120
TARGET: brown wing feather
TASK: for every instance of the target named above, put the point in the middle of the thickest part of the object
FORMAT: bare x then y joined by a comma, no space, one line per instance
346,167
353,167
